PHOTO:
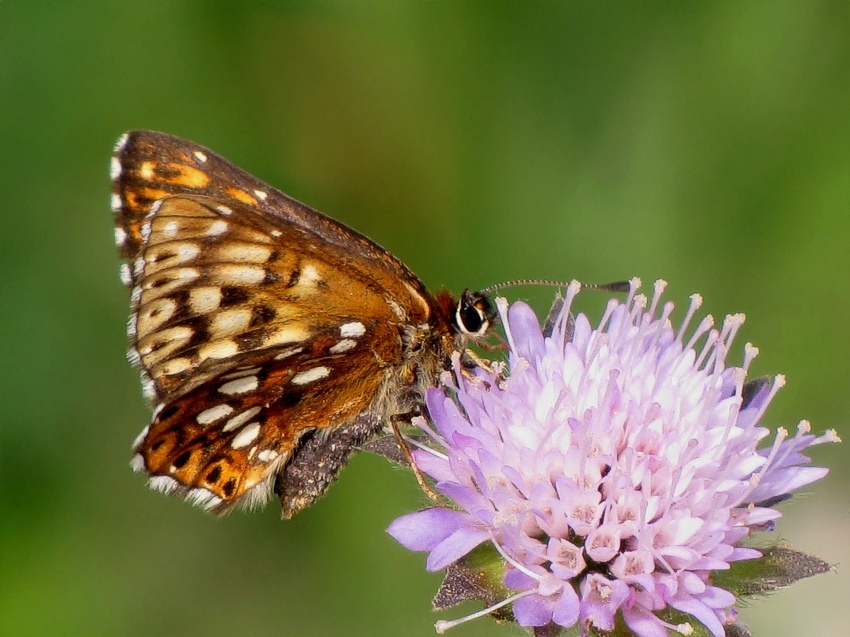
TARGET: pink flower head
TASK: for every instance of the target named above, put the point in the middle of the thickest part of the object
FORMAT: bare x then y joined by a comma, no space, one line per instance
613,468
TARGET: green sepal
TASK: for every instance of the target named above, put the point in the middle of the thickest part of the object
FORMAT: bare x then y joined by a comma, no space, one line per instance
779,566
477,576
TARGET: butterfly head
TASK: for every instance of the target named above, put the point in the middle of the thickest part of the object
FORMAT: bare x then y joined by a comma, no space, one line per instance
473,315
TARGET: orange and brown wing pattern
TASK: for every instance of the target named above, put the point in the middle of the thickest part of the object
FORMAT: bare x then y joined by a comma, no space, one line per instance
256,321
148,166
247,338
225,441
213,287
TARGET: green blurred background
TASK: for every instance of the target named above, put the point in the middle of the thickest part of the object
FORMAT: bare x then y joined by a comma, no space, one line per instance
706,143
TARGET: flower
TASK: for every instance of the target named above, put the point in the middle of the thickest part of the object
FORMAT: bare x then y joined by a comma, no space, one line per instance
615,469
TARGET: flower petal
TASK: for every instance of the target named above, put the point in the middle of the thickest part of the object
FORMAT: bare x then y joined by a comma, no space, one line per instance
533,610
424,530
455,547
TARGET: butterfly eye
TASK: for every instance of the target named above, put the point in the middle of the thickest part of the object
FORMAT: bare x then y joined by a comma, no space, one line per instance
473,314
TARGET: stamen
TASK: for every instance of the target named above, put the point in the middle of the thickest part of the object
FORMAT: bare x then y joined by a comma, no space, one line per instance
658,289
693,306
781,435
778,383
513,562
731,324
717,356
634,286
707,348
804,427
704,325
443,625
661,324
683,629
750,352
610,306
573,289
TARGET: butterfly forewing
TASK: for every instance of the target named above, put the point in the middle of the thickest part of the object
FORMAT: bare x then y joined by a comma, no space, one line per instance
149,166
256,320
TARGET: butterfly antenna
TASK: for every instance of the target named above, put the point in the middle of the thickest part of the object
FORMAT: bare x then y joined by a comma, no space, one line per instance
618,286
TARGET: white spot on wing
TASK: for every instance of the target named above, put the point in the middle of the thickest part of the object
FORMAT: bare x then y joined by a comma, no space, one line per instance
236,274
244,253
276,233
166,281
266,455
209,416
310,375
165,339
114,168
240,419
290,351
116,202
120,236
352,330
224,210
155,314
261,194
229,322
284,335
240,385
343,346
246,436
200,156
175,366
169,255
218,349
203,300
219,226
309,276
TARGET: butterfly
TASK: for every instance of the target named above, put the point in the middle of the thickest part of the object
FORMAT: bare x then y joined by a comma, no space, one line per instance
272,340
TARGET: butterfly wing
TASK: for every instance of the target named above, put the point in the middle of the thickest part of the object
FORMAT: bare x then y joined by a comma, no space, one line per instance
148,166
254,321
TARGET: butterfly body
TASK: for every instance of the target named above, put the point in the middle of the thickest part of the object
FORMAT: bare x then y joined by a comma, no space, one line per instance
272,340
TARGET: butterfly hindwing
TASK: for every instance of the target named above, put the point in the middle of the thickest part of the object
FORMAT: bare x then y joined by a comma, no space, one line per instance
226,438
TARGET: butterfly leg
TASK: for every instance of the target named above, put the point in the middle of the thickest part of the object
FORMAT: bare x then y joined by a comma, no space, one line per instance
318,460
405,449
